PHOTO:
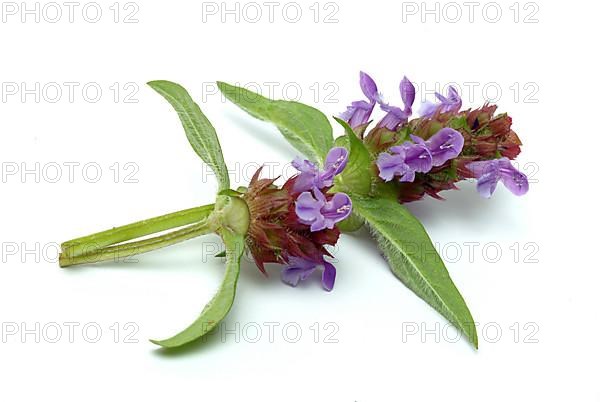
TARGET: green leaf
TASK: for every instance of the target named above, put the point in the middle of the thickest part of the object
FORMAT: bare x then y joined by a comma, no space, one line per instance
356,177
221,303
200,133
414,260
306,128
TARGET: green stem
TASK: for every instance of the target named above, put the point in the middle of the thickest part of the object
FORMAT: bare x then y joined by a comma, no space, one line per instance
122,251
93,243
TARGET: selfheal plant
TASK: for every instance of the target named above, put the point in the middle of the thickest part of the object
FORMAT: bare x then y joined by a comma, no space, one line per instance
398,160
361,177
271,222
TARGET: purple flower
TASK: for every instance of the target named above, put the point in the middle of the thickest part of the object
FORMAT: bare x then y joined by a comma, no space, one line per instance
395,115
451,103
420,156
312,208
489,172
444,145
359,112
391,165
404,161
299,269
393,118
311,177
309,174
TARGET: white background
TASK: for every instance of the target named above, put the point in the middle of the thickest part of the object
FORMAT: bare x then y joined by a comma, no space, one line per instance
548,290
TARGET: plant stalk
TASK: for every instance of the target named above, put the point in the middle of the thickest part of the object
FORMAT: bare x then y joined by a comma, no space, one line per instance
95,243
121,251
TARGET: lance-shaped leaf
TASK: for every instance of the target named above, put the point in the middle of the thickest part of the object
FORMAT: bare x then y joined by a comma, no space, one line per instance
221,303
414,260
356,177
306,128
200,133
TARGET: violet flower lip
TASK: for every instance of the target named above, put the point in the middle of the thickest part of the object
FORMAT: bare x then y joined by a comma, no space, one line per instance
490,172
359,112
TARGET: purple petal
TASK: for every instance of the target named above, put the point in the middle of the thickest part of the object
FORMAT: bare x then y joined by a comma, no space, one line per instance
446,144
304,166
358,113
368,86
336,159
291,276
408,177
334,164
394,117
319,224
515,181
427,109
308,209
328,278
418,158
454,97
320,221
320,196
452,103
486,184
407,92
308,174
325,179
337,209
416,139
389,165
304,182
481,168
298,269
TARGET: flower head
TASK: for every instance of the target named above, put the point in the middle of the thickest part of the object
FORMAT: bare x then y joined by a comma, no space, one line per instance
275,233
444,142
490,172
292,225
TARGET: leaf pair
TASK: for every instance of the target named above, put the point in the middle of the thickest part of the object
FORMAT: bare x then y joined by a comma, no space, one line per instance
400,236
203,138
